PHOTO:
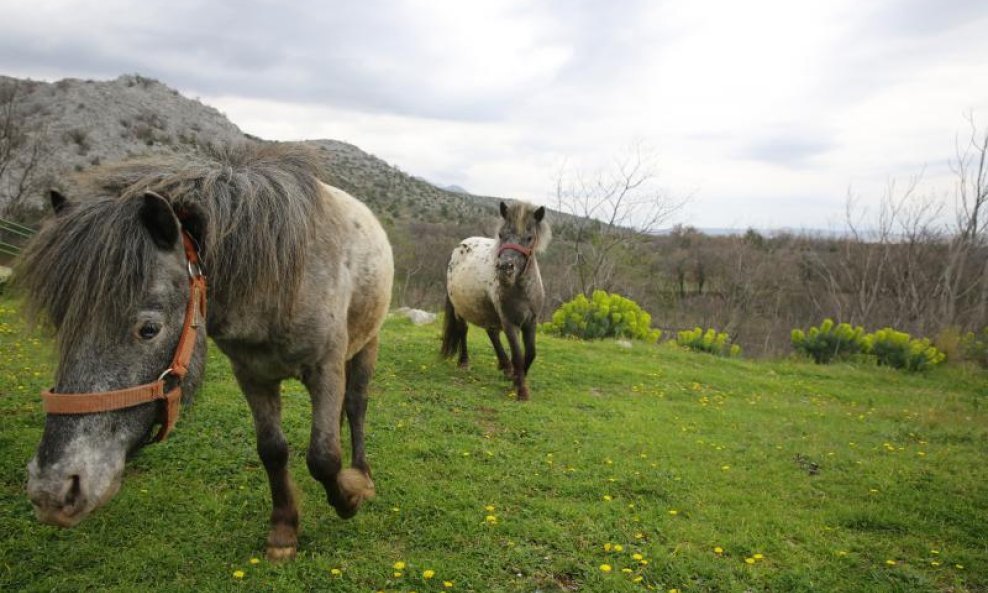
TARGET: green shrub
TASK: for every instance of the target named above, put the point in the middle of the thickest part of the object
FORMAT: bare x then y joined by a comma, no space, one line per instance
829,342
899,350
603,315
710,340
975,347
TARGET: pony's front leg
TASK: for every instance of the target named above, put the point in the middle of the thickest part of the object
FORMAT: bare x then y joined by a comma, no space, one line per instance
517,361
528,335
503,364
347,488
264,398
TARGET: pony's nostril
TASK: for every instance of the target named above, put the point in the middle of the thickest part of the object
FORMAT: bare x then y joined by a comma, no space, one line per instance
73,492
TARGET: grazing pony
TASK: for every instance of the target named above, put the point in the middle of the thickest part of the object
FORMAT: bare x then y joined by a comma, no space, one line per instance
496,284
300,280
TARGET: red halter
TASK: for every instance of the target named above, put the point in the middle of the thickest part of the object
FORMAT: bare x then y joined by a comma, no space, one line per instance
105,401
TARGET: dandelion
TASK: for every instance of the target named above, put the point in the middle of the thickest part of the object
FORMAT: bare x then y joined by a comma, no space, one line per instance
398,565
238,574
618,548
759,556
336,572
934,563
626,570
428,574
959,566
639,535
397,574
673,512
605,568
934,551
891,562
608,498
749,560
718,550
489,508
725,467
491,520
448,584
673,590
255,560
842,553
637,556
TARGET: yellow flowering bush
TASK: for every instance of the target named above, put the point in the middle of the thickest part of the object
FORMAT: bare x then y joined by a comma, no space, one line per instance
829,342
899,350
709,340
603,315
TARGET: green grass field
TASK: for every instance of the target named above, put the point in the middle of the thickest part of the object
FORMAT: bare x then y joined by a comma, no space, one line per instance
630,470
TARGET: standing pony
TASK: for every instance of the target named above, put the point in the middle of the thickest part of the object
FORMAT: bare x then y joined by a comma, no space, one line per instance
299,284
496,284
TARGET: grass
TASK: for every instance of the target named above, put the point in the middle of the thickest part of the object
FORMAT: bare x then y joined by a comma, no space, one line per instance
647,460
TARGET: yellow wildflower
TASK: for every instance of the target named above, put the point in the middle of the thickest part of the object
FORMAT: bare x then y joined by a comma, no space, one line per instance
255,561
238,574
336,572
891,562
491,520
448,584
489,508
398,565
618,548
428,574
605,568
718,550
608,498
637,556
759,556
749,560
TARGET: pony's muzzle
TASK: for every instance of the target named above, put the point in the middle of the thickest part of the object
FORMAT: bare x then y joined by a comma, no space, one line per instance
506,267
60,497
57,500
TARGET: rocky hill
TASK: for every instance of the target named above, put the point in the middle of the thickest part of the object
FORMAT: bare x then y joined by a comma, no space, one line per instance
71,125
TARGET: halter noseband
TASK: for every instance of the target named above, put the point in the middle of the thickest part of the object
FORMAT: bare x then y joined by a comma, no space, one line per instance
527,252
105,401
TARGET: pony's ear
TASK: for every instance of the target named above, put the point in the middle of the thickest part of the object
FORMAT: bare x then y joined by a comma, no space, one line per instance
58,201
540,214
160,221
504,211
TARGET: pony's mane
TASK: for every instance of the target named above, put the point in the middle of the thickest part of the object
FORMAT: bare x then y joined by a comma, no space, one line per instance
518,214
255,206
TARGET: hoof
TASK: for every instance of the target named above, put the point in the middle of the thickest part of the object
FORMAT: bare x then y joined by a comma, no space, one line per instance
282,543
355,487
280,553
464,365
523,394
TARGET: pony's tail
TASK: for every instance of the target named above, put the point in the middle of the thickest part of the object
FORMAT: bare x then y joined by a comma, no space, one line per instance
454,331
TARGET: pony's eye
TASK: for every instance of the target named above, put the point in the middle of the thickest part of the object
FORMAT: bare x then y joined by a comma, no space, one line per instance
148,330
528,238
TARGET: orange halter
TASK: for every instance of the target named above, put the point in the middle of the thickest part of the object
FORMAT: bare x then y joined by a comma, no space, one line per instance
105,401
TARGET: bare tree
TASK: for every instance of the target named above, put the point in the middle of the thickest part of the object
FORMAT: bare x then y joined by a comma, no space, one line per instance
970,243
613,209
22,150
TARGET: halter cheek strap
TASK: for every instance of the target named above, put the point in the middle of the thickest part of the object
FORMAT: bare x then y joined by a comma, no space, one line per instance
105,401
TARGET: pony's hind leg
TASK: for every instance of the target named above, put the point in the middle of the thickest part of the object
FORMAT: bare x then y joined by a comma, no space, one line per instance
346,489
454,335
359,371
503,364
264,399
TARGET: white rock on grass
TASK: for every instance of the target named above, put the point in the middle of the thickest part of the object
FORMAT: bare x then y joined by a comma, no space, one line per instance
417,316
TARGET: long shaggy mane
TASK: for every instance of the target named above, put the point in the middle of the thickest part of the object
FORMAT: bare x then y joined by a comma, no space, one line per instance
254,206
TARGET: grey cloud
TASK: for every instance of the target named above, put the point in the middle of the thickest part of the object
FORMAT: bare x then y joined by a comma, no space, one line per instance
789,151
351,55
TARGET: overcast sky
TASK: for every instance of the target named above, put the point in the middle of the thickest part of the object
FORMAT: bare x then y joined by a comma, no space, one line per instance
766,112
